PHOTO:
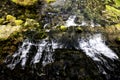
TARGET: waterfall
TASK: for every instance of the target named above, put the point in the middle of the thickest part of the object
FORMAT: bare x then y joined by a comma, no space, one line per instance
40,53
94,46
21,55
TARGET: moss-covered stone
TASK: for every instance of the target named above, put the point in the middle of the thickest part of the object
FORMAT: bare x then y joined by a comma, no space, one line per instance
112,14
1,20
25,2
10,18
49,1
7,30
18,22
79,29
118,39
63,28
31,24
117,3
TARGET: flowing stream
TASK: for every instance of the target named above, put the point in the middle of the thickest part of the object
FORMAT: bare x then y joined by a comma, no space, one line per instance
41,52
65,53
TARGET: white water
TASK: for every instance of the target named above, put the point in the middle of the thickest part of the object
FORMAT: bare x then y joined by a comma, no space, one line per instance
70,22
45,47
94,46
21,55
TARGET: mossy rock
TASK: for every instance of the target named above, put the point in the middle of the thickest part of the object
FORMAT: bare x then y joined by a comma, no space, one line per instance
63,28
117,3
49,1
25,2
10,18
112,14
79,29
18,22
1,20
7,30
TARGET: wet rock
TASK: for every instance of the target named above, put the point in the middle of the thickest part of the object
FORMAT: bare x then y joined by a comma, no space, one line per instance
69,65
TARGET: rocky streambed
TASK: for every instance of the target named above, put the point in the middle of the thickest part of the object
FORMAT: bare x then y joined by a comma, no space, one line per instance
59,40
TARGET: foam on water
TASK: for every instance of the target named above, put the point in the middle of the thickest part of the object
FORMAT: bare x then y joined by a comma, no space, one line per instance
70,22
94,46
21,55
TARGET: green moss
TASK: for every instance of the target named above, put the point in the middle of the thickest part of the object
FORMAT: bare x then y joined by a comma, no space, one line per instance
31,22
49,1
18,22
63,28
25,2
10,18
79,29
112,14
118,39
117,3
1,20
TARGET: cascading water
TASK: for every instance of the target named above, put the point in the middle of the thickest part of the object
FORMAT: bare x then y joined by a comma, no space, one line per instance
31,53
74,52
94,46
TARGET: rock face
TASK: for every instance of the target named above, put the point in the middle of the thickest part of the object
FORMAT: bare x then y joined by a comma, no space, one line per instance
68,65
7,30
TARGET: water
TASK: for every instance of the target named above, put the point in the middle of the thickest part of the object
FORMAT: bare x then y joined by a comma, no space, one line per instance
64,55
94,46
40,53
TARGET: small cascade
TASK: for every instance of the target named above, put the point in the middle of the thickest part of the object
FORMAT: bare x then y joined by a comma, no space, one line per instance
94,46
40,53
21,55
25,51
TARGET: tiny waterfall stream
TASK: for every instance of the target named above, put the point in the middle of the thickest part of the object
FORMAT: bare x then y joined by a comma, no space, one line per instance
63,56
88,52
35,55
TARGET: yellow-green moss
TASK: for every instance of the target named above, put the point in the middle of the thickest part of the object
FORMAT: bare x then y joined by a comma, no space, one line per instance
79,29
10,18
117,3
18,22
63,28
118,39
49,1
1,20
25,2
112,14
31,24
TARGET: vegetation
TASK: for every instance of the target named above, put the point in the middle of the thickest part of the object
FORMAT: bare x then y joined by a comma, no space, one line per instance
20,17
25,2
